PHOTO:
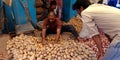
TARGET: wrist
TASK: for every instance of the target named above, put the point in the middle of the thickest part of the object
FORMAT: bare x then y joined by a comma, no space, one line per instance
101,54
43,39
56,39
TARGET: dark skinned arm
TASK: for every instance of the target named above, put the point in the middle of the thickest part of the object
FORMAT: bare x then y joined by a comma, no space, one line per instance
59,26
98,42
58,34
43,34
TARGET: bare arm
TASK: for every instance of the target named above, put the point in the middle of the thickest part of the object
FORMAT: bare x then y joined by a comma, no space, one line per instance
43,34
59,26
98,42
58,34
44,29
90,26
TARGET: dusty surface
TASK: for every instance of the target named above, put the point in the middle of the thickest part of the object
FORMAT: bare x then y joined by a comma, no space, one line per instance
3,52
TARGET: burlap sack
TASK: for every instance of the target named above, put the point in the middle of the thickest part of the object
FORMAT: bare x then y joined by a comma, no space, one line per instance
77,23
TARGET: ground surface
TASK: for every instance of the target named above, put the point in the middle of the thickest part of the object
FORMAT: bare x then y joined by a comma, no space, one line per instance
3,52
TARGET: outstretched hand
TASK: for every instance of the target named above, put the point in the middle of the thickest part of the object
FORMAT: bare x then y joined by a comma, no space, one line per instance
44,42
100,56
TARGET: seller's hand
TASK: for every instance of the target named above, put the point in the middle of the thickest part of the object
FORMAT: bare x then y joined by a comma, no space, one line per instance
56,40
44,41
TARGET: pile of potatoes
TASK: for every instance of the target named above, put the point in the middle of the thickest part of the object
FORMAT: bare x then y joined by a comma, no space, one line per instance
25,47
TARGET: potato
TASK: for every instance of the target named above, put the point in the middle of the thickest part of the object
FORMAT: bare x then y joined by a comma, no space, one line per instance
28,47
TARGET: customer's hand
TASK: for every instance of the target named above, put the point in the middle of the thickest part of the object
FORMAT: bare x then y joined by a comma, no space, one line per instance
100,56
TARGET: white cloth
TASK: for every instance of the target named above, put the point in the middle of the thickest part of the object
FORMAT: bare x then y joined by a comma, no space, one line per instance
94,1
58,11
105,2
98,15
55,10
88,32
116,39
118,4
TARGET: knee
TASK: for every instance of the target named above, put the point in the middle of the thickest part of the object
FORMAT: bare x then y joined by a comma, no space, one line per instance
71,27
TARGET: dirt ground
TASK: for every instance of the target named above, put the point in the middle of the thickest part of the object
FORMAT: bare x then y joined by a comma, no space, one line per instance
3,40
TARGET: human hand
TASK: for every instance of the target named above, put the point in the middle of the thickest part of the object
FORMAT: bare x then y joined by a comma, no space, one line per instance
56,40
44,41
100,56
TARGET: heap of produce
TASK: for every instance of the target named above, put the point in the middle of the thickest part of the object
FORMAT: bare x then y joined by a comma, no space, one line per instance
25,47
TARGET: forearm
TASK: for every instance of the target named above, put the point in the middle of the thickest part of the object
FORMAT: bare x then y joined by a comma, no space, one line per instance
98,42
58,34
43,34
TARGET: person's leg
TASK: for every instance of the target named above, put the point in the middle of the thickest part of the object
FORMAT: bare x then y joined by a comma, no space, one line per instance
49,31
70,28
113,52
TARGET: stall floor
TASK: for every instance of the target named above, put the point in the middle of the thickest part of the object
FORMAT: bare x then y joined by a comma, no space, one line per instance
3,41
